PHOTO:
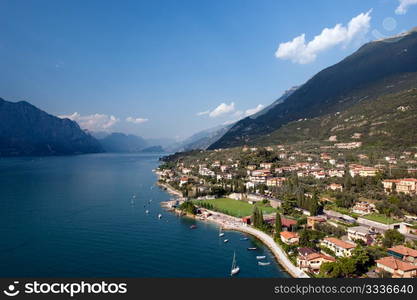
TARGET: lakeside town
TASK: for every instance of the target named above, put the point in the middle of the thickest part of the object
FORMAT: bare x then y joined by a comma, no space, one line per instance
333,210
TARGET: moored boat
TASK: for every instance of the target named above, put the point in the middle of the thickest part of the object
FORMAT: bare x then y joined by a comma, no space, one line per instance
235,268
261,257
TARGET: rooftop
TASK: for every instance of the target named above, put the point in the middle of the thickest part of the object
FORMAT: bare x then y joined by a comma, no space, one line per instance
396,264
340,243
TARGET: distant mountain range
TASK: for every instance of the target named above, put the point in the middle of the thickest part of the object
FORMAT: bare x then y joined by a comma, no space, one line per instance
122,143
27,130
378,68
201,140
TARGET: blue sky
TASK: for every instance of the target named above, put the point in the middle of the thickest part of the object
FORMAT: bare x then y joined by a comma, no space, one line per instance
161,68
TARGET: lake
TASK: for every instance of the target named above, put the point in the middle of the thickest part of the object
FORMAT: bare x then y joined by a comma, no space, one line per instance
84,216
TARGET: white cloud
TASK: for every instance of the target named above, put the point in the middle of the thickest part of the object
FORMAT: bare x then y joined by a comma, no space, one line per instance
136,120
95,122
222,109
403,6
230,122
298,51
252,111
203,113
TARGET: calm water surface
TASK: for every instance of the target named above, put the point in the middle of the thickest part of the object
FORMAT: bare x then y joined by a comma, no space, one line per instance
77,216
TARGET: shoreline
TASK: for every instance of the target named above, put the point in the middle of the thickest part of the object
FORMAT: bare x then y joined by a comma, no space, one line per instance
227,222
279,254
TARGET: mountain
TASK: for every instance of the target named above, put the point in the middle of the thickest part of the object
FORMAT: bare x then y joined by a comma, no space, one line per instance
201,139
117,142
26,130
388,122
377,68
153,149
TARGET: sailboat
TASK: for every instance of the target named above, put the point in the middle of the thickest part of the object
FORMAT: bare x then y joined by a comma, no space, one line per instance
263,263
235,268
261,257
220,232
159,216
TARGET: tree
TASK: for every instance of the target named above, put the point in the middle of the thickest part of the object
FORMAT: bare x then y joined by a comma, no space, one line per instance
278,224
392,237
257,217
314,205
188,207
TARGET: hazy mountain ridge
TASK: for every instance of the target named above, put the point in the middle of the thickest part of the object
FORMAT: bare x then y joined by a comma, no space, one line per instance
27,130
118,142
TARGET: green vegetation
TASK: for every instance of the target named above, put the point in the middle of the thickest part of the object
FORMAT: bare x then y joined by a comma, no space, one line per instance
188,207
233,207
278,225
392,237
380,218
362,259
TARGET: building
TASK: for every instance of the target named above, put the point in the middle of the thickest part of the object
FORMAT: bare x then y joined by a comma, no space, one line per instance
266,165
313,261
404,253
336,173
352,145
289,238
288,223
405,185
361,233
275,181
363,208
184,180
397,268
313,220
339,247
359,170
335,187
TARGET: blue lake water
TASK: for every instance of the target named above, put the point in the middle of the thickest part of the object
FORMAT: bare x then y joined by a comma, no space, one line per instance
75,216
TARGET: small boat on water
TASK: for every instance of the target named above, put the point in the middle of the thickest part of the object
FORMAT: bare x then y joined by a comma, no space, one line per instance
226,240
193,226
159,216
260,263
235,268
252,248
261,257
244,239
220,232
147,211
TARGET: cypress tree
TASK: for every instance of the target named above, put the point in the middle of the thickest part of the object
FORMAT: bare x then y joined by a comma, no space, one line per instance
278,225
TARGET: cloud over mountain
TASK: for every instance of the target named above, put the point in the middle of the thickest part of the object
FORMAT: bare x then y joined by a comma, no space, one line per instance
94,122
404,5
136,120
302,52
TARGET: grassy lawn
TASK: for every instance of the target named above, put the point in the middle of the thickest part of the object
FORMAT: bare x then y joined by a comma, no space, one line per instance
235,207
342,210
380,218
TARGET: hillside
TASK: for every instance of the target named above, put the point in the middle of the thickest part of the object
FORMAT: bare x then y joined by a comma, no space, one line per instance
386,123
27,130
390,63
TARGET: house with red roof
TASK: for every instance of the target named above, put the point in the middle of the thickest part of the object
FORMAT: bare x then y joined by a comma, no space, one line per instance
339,247
397,268
404,253
289,238
312,262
